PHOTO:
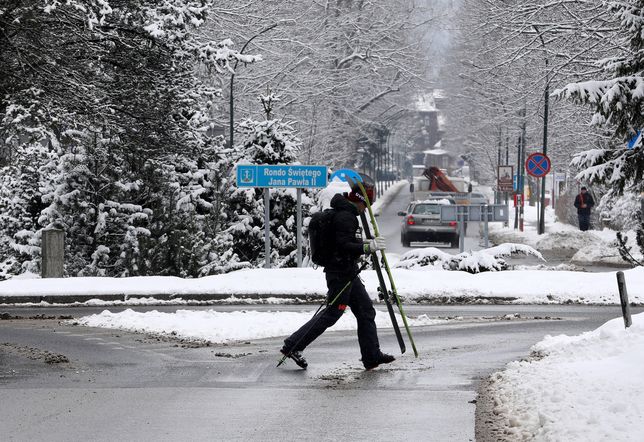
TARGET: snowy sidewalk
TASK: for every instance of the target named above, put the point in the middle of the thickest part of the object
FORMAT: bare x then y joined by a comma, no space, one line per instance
592,247
307,284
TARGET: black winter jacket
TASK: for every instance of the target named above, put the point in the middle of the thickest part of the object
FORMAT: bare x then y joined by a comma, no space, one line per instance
588,200
348,246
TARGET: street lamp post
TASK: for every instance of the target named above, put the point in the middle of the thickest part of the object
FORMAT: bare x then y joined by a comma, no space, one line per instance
232,76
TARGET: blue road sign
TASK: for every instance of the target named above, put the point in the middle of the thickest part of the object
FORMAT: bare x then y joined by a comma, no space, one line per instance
515,180
538,165
266,175
633,141
343,174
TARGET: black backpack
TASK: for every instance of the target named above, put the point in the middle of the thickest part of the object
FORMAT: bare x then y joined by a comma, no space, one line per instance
321,239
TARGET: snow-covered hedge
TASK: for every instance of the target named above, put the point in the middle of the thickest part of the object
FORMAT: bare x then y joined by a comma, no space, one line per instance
488,260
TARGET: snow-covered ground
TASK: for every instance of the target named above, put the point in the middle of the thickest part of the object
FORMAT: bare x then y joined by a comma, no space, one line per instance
590,247
220,327
577,388
423,284
413,281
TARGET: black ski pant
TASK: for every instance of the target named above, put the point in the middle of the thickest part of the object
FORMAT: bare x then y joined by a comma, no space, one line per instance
355,296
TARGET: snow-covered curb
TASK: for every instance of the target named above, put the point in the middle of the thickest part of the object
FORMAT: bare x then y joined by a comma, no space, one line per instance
386,198
427,284
586,387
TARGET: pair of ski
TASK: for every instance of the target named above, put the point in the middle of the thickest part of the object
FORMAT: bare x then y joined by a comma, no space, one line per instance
388,296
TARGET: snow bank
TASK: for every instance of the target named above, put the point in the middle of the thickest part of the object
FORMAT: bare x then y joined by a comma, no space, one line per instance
427,284
486,260
589,247
220,327
586,387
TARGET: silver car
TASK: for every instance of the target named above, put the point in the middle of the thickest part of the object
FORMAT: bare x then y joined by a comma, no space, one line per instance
422,222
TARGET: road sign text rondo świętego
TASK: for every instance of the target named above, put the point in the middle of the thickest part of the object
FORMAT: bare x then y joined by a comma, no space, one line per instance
294,176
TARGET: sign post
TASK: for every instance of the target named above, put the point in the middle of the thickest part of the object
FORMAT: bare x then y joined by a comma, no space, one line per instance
538,165
462,213
267,227
269,176
298,237
505,182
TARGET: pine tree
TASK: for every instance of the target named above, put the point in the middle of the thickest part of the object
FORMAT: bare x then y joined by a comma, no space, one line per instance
265,142
618,104
111,95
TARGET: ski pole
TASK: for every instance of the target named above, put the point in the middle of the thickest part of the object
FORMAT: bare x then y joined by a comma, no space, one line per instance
325,303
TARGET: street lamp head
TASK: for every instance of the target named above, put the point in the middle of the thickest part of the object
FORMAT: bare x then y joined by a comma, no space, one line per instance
286,22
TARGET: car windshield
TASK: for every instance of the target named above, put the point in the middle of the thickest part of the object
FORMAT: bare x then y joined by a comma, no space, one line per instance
427,209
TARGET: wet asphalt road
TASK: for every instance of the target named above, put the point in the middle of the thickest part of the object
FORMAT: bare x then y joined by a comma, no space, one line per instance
125,386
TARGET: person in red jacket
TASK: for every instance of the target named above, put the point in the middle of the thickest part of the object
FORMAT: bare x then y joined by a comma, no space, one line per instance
584,202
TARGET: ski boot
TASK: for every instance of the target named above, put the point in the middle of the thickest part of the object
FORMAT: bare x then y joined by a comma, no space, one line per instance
383,358
296,356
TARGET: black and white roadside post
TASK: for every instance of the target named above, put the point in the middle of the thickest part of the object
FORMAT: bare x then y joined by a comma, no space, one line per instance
269,176
623,297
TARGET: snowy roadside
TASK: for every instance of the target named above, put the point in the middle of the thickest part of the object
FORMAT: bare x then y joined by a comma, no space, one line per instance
386,198
574,387
222,327
597,247
427,284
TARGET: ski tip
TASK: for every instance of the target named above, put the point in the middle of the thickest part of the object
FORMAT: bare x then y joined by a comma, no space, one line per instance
280,362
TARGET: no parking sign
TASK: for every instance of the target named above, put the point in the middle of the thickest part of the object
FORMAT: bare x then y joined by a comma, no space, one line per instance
538,165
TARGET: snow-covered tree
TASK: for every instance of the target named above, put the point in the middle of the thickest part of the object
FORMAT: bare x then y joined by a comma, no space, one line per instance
617,100
502,57
275,142
618,104
340,67
111,95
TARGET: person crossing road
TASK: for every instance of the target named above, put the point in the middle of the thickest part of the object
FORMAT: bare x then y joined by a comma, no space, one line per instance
348,246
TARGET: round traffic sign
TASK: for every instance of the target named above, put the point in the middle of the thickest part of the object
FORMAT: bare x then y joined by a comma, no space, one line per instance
538,165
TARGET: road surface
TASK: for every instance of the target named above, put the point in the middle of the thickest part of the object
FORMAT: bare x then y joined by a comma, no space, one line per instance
65,382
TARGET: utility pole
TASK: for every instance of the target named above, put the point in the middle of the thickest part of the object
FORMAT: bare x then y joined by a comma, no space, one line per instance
516,191
507,163
522,169
497,193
